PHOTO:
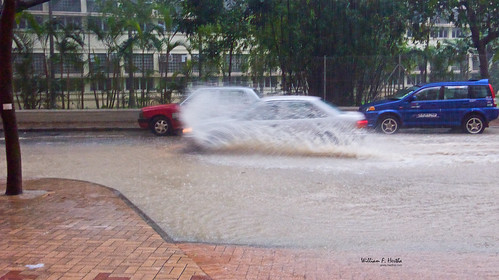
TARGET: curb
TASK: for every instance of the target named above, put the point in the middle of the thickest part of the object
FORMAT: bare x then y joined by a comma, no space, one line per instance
95,120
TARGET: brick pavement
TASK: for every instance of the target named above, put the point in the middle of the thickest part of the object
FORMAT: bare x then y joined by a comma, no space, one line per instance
77,230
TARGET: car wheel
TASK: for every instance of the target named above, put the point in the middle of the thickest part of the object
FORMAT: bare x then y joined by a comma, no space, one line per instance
388,125
474,124
161,126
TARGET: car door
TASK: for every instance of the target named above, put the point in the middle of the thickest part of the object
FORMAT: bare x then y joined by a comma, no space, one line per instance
455,104
423,108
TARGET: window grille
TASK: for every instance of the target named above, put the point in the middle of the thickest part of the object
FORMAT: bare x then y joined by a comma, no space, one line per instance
66,5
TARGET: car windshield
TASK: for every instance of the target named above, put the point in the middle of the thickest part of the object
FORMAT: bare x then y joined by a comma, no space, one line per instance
402,93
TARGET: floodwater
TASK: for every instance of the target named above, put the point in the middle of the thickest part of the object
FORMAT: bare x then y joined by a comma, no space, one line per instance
419,190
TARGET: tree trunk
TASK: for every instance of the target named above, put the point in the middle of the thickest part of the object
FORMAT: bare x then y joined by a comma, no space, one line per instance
484,62
12,146
67,87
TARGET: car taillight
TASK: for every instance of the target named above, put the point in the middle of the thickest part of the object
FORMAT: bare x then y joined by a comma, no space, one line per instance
493,95
362,124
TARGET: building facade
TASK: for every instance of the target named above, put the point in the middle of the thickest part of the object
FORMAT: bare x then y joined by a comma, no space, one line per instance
89,70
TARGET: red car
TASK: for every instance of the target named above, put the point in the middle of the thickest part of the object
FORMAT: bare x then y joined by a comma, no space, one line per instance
165,119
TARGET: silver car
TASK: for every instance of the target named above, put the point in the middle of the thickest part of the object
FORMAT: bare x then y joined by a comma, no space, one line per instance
281,120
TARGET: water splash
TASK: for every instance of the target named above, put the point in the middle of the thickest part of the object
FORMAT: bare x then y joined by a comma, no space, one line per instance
224,127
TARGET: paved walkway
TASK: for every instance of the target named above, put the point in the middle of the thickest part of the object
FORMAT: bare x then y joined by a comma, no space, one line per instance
65,229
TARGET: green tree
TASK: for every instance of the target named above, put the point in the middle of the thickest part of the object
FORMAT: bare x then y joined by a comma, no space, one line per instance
280,27
359,38
480,16
132,16
234,25
167,31
198,19
45,31
27,82
477,16
108,30
70,43
423,16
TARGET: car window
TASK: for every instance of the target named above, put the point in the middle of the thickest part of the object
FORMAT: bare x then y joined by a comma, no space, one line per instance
455,92
428,94
298,110
221,97
263,111
403,92
479,92
233,97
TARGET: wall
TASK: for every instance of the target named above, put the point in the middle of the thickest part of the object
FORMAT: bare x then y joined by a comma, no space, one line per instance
78,119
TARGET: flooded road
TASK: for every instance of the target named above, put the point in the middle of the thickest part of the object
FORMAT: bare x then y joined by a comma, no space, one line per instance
417,191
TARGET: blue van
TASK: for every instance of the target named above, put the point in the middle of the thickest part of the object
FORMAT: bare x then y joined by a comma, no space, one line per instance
469,105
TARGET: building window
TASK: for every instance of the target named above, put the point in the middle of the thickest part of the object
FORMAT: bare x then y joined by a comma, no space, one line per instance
97,23
176,62
457,33
92,7
237,80
39,63
440,33
66,5
98,63
69,21
207,66
24,23
72,66
238,61
195,62
142,62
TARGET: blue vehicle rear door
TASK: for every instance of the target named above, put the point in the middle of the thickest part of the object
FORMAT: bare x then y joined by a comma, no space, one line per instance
423,108
456,104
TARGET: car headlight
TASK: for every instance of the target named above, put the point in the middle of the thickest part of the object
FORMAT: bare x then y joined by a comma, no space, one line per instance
371,109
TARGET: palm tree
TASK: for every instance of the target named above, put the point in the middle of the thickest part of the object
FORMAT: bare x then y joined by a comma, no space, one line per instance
26,82
69,44
108,30
167,32
44,31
